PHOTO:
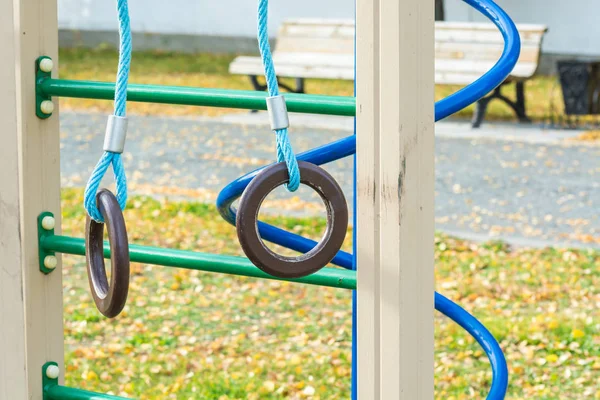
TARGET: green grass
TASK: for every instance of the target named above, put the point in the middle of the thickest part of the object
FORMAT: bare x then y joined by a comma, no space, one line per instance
211,70
191,335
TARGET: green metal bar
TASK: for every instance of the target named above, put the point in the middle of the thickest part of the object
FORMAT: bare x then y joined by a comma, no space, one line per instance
56,392
53,391
251,100
332,277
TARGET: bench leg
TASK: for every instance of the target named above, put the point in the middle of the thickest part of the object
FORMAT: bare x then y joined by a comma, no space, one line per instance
299,86
255,84
518,106
260,87
480,109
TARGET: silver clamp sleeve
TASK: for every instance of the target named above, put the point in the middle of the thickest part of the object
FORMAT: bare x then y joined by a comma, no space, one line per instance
116,133
278,114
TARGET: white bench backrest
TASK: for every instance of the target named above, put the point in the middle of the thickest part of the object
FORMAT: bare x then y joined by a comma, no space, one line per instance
316,36
324,48
464,51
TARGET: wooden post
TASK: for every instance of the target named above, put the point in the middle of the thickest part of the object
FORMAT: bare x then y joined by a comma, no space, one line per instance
31,330
395,193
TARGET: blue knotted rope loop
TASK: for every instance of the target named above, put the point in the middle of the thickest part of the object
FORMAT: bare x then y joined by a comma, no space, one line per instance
120,104
284,146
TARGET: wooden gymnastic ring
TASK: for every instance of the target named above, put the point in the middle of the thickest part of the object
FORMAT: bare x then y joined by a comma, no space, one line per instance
109,299
247,218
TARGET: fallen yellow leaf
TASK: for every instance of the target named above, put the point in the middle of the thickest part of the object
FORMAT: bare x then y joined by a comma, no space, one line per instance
578,333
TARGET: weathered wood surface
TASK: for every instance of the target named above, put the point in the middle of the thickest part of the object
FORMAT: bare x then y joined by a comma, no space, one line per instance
395,194
31,324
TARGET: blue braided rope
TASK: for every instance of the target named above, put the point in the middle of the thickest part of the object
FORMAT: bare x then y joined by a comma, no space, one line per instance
124,58
109,158
284,146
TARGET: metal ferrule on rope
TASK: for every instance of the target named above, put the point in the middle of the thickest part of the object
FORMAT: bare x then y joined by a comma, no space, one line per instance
116,133
278,113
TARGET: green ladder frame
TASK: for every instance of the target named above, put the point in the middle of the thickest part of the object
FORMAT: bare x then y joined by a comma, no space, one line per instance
49,243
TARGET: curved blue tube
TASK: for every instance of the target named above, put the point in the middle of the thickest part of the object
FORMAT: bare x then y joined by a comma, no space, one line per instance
499,72
485,339
347,146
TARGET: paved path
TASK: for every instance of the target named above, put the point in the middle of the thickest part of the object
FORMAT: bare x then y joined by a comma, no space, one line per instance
521,184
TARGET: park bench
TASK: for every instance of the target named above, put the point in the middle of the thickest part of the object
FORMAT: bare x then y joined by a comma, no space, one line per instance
324,49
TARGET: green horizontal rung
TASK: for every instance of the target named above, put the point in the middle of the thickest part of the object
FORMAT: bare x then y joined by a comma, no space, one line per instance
53,391
56,392
251,100
331,277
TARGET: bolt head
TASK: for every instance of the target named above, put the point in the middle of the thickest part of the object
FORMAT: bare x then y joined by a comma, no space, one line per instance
47,107
46,65
48,223
52,372
50,262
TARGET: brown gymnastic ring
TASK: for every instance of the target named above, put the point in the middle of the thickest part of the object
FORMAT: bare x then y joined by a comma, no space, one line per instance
109,299
247,217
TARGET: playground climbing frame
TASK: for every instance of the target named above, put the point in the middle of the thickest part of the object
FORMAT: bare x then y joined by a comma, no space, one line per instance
394,111
32,300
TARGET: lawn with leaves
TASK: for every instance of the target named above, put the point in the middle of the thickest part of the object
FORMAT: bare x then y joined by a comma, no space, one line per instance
193,335
543,94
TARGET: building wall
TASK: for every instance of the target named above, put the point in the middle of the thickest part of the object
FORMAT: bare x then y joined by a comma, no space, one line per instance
236,18
230,25
573,26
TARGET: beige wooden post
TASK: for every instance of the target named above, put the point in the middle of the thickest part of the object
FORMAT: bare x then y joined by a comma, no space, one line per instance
395,193
31,330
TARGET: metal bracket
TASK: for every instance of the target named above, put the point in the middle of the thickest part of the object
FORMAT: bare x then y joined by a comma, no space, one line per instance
40,76
42,234
46,381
